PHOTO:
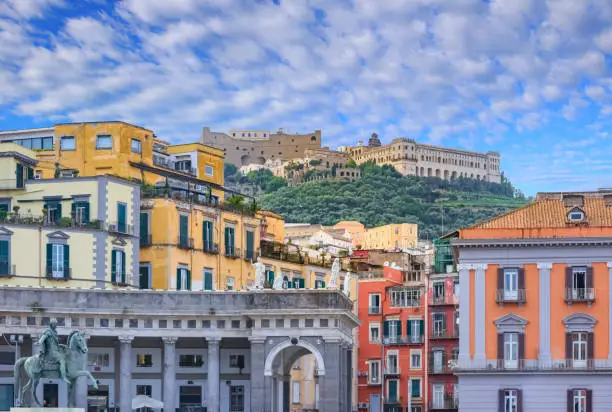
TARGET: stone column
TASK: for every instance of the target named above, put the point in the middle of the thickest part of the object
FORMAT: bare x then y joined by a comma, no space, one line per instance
81,389
464,313
125,369
329,384
213,374
544,356
479,315
258,360
169,372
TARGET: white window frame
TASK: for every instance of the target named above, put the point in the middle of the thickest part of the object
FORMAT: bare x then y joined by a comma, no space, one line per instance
580,395
578,292
183,276
295,395
415,328
138,146
411,384
155,357
414,352
579,348
57,261
438,360
511,400
193,351
438,395
510,284
511,342
374,326
373,377
119,275
371,300
392,366
209,170
230,284
438,320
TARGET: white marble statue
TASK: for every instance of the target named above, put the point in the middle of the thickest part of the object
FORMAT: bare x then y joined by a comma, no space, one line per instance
260,273
278,282
335,274
347,284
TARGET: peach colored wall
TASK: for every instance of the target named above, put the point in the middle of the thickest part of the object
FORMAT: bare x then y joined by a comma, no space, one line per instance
528,310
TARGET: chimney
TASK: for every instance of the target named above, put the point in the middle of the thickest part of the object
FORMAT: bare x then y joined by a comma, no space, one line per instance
573,200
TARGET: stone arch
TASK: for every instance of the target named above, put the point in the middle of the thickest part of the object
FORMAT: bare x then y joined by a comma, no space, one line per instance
245,159
287,344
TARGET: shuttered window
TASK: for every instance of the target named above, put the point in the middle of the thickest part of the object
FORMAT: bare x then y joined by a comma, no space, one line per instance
4,258
122,217
118,274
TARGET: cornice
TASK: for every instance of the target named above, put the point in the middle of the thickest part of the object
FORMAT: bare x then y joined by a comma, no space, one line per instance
522,243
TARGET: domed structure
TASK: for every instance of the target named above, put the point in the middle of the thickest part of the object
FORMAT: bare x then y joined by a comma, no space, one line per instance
374,141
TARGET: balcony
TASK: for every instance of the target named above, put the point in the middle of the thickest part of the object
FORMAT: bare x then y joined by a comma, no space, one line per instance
211,248
444,334
185,243
374,380
6,269
122,228
573,295
446,404
232,253
403,340
146,241
374,310
66,222
61,274
251,255
392,371
534,366
504,296
443,300
440,365
172,165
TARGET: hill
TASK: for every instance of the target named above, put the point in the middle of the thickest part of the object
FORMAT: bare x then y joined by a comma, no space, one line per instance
384,196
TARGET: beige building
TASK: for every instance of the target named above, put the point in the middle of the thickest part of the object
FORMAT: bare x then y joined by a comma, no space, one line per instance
396,236
415,159
243,147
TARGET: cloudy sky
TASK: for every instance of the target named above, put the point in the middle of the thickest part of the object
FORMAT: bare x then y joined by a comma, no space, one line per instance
531,79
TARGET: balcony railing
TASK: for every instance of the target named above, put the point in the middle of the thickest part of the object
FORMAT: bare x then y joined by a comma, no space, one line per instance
170,164
146,240
533,365
374,310
392,371
447,404
579,295
63,274
403,340
444,334
6,269
211,248
66,222
232,253
374,380
185,243
443,300
251,255
440,365
516,296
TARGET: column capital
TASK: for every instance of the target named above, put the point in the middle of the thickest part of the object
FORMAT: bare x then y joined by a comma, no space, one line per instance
125,339
213,339
169,340
257,339
465,266
545,266
480,266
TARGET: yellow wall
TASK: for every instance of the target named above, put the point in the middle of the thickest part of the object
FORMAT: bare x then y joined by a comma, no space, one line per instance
206,156
276,225
355,229
403,235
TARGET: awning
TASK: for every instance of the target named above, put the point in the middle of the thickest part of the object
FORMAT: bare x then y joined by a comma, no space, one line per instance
143,401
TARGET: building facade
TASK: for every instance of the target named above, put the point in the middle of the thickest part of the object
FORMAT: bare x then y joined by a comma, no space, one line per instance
392,361
244,147
535,320
415,159
393,236
213,351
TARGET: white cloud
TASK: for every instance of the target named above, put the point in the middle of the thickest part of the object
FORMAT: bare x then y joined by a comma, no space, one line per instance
27,9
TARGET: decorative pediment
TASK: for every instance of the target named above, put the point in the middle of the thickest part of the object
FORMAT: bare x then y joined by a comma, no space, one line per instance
511,323
5,232
579,322
118,241
58,234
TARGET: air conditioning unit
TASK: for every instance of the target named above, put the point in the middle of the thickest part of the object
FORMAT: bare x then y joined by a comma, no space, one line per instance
363,405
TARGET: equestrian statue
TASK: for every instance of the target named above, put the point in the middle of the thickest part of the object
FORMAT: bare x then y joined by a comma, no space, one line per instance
55,361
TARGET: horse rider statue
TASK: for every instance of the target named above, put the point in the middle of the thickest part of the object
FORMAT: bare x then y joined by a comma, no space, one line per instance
52,352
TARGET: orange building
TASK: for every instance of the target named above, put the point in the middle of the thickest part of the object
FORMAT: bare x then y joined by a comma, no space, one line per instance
536,307
391,364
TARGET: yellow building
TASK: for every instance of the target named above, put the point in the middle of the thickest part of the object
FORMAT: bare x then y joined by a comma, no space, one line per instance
395,236
356,229
76,232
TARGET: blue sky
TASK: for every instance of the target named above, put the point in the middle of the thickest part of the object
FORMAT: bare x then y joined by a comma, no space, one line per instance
529,78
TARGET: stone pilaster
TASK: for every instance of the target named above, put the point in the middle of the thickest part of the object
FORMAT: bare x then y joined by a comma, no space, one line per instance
464,313
544,356
213,374
329,384
479,313
125,369
258,360
169,372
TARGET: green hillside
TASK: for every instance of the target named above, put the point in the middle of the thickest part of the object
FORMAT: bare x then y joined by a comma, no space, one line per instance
384,196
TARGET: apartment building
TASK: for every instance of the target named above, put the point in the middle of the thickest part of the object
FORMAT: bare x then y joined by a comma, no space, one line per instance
535,319
392,366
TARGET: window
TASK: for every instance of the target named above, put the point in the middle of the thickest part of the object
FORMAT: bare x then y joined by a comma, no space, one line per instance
392,389
191,361
375,332
98,361
578,283
4,258
415,387
416,329
144,277
406,297
576,215
209,171
67,143
295,396
183,166
250,245
510,397
510,284
81,212
7,358
580,400
104,142
236,398
144,360
136,146
374,371
58,259
208,279
118,274
456,288
229,242
230,283
374,307
439,324
392,363
415,359
579,349
208,236
438,361
511,349
438,289
183,231
183,279
236,361
438,396
121,217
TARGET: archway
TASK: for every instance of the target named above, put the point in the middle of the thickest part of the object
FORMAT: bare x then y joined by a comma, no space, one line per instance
245,160
294,365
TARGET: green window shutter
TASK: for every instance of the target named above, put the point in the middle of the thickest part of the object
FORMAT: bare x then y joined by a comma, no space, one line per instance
250,242
73,209
398,328
227,240
302,283
66,261
19,176
4,257
144,277
386,329
416,389
30,173
114,266
144,225
289,283
422,327
121,218
208,281
188,279
123,274
49,259
183,228
85,212
322,284
232,239
178,279
58,206
270,276
393,390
